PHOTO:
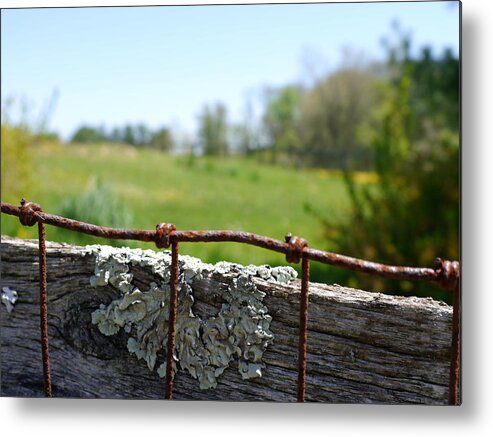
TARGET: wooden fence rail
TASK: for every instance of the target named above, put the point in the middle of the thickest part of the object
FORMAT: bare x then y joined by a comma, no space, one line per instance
363,347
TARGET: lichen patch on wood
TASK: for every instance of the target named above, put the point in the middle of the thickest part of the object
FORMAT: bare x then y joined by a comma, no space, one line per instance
204,347
9,298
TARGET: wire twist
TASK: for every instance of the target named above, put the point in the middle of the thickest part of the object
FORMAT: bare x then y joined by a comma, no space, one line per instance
448,273
296,246
163,234
28,213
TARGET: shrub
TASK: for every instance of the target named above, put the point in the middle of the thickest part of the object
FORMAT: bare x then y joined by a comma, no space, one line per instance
100,206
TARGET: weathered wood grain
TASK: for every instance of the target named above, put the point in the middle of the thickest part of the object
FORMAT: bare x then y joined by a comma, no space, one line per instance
362,347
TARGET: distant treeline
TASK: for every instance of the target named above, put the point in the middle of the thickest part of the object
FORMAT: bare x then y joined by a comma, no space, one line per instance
135,135
336,122
331,123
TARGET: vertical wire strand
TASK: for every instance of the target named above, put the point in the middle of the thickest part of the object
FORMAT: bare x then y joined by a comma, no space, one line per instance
173,303
305,278
43,310
455,352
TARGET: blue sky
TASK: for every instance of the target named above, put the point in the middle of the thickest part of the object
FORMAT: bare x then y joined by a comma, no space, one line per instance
160,65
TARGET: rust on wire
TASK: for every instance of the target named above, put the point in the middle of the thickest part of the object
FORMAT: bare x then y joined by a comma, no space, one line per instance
446,274
28,217
28,213
163,234
449,278
455,353
302,349
164,231
347,262
173,304
294,254
296,246
43,309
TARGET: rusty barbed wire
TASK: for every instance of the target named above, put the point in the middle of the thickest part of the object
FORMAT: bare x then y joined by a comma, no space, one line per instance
28,216
164,232
450,279
436,275
43,310
454,379
297,246
446,274
303,336
173,304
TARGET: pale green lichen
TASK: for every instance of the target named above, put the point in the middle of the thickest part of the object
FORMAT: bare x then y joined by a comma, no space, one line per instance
205,348
9,298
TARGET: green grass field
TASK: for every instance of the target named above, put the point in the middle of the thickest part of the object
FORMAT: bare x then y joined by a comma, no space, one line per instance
199,193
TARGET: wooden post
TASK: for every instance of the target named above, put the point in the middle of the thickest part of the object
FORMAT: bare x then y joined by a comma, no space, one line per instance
362,347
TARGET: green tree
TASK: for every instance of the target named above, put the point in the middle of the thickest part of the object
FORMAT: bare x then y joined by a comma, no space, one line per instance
245,140
88,134
142,135
411,215
246,134
129,136
116,135
213,130
162,140
280,124
332,115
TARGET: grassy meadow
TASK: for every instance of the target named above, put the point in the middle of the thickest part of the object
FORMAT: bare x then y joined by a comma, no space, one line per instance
191,192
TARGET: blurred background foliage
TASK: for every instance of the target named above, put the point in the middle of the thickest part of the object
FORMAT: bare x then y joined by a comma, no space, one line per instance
411,215
364,161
